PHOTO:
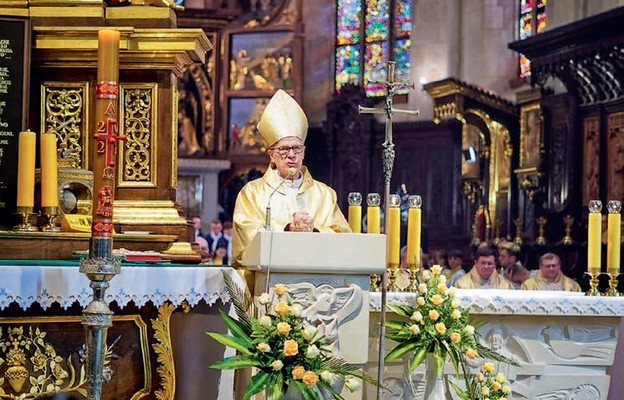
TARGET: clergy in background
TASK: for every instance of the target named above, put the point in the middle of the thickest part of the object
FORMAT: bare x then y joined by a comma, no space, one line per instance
483,274
550,276
298,202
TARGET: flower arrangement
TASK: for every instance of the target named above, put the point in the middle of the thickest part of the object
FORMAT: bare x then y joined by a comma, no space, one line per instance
286,352
436,324
485,385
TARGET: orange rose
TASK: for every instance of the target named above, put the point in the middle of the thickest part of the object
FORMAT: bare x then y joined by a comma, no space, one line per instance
310,378
441,328
436,299
291,348
283,328
433,314
488,366
280,289
455,337
282,308
298,372
471,353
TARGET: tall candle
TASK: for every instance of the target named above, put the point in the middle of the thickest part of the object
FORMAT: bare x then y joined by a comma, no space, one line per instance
614,236
355,212
373,213
108,55
594,233
49,171
414,223
394,230
26,169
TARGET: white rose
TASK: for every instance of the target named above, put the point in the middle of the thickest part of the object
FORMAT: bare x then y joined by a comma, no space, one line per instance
277,365
442,279
426,275
353,384
329,377
417,316
420,301
309,332
312,352
265,321
296,310
422,288
456,314
451,292
264,299
414,329
263,347
455,303
469,330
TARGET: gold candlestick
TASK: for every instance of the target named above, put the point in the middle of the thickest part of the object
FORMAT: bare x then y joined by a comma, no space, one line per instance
541,223
392,272
413,278
518,223
593,283
25,226
52,214
594,233
568,220
613,282
374,287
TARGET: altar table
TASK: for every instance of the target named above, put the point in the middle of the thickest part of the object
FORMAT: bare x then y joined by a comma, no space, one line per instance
154,351
565,343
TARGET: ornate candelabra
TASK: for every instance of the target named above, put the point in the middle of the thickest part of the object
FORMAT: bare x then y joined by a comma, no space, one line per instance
541,224
568,220
518,223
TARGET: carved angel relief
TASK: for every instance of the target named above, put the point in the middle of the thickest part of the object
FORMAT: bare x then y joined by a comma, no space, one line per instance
328,307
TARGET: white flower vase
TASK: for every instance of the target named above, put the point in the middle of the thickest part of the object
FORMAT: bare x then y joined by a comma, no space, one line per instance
427,386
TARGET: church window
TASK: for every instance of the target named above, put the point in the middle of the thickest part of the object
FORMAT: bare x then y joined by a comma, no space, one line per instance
532,20
364,45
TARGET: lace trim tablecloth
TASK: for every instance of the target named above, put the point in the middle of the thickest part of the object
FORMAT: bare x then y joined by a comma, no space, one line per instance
65,285
519,302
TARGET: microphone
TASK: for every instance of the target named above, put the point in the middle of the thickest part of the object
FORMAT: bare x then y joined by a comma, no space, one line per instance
291,174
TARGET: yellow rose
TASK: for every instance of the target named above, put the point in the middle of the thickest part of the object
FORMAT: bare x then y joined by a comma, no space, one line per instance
488,366
291,348
436,299
480,377
442,288
455,314
506,389
441,328
500,377
455,303
414,329
422,288
279,289
433,314
496,386
283,328
455,337
442,279
310,378
282,308
471,353
451,292
263,347
436,269
298,371
420,301
485,391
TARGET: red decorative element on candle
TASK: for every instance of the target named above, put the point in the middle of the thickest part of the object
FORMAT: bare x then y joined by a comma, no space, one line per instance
104,229
105,201
106,90
107,136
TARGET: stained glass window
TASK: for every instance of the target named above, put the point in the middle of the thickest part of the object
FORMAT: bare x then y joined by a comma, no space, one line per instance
368,34
532,20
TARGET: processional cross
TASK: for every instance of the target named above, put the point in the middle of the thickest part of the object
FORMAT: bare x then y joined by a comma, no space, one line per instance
387,156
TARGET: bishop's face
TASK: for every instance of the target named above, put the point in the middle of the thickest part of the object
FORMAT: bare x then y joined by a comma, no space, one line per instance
485,266
287,153
550,268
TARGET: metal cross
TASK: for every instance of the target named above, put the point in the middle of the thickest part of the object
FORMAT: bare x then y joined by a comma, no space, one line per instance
391,85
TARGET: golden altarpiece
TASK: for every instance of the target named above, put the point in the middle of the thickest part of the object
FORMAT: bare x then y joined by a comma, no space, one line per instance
42,338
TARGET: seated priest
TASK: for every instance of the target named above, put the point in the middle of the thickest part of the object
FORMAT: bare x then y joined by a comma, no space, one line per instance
550,276
298,203
483,274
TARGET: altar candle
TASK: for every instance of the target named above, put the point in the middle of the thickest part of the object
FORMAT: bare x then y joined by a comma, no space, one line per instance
394,230
414,221
594,232
108,55
614,236
49,171
355,212
373,213
26,169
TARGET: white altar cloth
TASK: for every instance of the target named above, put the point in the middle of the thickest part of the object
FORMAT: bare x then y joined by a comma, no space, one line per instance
46,285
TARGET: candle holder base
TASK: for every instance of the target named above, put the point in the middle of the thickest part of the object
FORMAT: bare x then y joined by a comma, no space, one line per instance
613,282
413,278
374,287
593,283
25,226
52,215
392,276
